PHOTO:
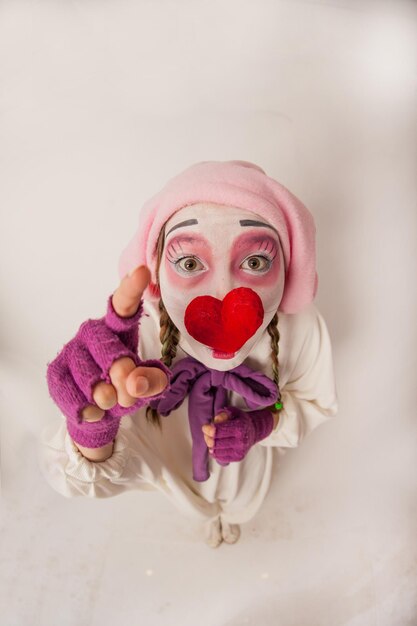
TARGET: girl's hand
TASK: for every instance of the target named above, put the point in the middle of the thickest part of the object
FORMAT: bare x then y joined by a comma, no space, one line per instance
98,376
128,382
234,432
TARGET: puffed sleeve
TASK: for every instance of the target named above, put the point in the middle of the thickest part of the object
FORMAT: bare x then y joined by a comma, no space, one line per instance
307,380
69,473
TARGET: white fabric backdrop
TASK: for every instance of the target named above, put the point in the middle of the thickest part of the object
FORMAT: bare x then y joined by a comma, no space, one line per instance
102,102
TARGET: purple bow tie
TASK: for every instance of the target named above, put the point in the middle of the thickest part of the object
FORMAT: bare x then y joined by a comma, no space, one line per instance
207,390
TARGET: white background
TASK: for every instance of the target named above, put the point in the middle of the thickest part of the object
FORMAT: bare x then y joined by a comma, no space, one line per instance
101,103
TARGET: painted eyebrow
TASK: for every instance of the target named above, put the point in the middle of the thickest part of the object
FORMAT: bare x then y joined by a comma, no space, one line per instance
256,223
186,223
192,222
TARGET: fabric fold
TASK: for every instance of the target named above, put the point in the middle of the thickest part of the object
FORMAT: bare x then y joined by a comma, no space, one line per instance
207,390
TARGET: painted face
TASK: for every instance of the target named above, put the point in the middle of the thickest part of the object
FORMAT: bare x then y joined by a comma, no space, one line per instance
211,250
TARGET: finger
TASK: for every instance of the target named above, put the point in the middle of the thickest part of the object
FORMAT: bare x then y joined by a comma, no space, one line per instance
226,444
103,344
63,388
225,456
209,429
128,295
225,430
209,441
119,373
92,413
105,395
146,381
221,417
85,371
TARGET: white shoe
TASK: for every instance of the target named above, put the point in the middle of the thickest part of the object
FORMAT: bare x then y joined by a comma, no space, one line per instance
230,532
213,533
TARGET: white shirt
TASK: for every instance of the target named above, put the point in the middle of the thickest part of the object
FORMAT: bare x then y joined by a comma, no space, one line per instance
146,458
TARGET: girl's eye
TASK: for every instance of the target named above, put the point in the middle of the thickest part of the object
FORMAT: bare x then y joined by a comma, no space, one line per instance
256,263
188,264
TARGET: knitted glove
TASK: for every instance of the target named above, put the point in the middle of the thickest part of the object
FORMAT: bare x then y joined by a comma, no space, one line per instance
85,361
234,437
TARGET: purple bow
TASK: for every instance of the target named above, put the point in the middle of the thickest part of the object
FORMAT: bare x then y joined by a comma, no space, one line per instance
207,390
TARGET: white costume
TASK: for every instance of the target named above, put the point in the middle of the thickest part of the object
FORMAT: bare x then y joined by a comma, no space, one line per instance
146,458
227,228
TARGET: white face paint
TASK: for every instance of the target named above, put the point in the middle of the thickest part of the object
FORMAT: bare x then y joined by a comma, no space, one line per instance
209,250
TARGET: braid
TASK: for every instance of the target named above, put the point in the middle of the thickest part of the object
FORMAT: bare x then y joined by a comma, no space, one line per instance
169,336
274,334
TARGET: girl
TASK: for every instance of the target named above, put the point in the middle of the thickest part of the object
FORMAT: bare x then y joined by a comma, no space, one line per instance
233,353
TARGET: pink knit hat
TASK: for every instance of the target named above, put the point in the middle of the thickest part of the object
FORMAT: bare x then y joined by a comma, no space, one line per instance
242,185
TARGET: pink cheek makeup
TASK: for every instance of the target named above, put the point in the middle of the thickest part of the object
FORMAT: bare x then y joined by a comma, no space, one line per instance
184,246
249,245
181,282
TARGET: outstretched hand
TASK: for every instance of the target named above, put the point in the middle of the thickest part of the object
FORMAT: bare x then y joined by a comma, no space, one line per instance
128,382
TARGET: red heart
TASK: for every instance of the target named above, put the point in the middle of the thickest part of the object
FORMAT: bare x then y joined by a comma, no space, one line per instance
225,325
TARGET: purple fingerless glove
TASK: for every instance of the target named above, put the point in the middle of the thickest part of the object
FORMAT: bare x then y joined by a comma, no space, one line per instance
234,438
85,361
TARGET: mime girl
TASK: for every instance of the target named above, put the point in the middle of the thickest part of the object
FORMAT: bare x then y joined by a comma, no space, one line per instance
211,353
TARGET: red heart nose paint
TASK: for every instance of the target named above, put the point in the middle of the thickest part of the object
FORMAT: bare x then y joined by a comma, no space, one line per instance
225,325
